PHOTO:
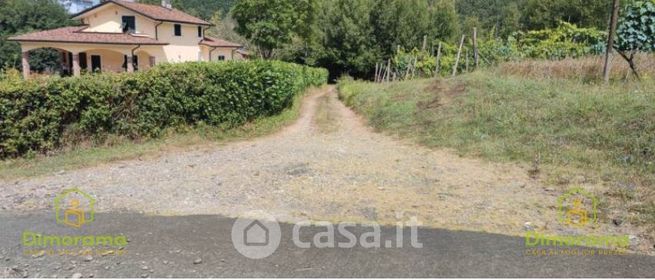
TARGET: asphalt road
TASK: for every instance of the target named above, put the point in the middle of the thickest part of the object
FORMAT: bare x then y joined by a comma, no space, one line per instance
201,246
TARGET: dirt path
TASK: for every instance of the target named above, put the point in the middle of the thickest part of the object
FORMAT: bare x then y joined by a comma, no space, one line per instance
327,166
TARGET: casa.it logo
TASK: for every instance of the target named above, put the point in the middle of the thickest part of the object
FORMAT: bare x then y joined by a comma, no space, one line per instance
577,208
74,208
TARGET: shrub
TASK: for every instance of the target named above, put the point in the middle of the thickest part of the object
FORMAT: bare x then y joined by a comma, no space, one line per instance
35,114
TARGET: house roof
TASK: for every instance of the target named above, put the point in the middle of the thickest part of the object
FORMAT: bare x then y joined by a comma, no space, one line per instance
243,52
214,42
74,34
151,11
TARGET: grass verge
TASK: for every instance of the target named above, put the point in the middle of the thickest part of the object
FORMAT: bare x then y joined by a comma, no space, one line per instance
123,149
567,131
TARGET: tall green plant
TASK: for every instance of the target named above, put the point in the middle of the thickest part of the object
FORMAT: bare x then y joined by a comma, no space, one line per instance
636,31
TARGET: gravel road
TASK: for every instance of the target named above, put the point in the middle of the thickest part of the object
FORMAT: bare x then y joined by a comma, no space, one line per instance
345,173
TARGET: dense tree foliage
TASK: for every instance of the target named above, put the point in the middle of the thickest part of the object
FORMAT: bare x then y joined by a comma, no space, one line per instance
636,31
271,24
351,36
503,17
21,16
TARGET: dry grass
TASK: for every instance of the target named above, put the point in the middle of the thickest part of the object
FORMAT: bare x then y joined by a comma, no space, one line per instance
568,131
587,69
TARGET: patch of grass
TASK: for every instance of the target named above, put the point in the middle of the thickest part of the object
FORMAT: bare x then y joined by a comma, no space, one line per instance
325,117
572,129
124,149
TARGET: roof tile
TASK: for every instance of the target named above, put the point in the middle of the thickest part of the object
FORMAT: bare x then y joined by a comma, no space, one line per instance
153,11
74,34
214,42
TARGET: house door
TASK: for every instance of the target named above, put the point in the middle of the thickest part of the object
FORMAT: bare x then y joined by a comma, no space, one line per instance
96,63
83,61
135,62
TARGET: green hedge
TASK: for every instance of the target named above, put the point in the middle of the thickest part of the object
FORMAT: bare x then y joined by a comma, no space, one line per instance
37,115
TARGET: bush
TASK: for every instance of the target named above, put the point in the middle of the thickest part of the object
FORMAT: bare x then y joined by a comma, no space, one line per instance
36,114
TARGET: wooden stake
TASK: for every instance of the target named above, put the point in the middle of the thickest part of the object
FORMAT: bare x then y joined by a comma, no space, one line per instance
436,72
388,68
425,43
476,53
414,67
459,53
467,60
376,72
610,39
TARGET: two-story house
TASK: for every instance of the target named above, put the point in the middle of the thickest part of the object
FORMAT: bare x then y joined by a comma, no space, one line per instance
121,35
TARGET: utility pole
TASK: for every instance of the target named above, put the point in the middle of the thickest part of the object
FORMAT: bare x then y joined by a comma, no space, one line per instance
610,39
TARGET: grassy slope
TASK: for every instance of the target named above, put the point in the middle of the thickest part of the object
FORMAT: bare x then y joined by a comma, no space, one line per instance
124,149
603,134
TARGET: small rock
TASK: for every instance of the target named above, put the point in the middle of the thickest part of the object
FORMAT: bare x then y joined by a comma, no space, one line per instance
517,185
579,179
633,239
197,261
107,267
145,267
617,222
92,275
88,258
77,275
165,262
145,275
528,226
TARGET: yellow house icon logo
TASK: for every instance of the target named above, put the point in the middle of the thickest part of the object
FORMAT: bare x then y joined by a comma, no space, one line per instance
577,208
74,208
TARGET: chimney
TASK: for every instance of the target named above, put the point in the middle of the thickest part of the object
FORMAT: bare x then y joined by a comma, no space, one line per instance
166,4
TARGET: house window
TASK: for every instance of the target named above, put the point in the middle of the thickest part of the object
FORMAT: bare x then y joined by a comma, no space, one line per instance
200,32
178,30
129,24
221,58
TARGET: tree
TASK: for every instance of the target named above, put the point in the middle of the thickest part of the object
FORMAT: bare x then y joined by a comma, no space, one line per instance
540,14
224,27
610,39
22,16
271,24
347,37
636,31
